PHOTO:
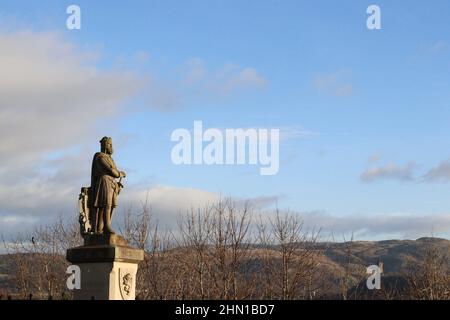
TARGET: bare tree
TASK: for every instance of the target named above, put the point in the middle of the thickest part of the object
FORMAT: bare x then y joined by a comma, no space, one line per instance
291,265
229,248
39,259
192,242
430,279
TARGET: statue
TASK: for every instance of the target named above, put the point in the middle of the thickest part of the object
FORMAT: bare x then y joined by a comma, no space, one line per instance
97,203
107,263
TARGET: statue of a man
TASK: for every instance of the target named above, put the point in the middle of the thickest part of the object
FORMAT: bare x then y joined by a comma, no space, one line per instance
104,188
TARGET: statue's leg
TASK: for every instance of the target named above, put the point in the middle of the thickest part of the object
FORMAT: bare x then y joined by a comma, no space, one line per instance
107,217
100,220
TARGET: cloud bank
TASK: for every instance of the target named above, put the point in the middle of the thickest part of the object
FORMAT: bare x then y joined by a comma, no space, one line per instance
379,226
53,100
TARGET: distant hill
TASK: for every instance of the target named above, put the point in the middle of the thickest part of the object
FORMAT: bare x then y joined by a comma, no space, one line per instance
338,260
395,257
394,254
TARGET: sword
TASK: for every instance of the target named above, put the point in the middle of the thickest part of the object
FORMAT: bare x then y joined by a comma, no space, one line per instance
119,183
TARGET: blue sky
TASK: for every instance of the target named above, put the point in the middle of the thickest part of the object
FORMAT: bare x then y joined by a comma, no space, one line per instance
354,102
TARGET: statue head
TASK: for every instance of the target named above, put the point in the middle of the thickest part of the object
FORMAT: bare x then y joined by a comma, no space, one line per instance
106,145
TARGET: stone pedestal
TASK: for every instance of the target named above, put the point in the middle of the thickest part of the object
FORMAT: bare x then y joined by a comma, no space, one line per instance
108,268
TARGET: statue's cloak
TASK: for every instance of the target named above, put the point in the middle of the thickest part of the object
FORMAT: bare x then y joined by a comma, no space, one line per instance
104,188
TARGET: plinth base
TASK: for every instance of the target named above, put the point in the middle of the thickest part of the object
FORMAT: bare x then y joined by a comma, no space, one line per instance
108,272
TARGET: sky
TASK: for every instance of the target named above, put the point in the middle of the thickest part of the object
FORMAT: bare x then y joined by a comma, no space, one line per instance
363,114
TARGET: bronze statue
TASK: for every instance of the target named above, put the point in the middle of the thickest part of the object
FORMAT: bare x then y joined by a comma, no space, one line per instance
97,203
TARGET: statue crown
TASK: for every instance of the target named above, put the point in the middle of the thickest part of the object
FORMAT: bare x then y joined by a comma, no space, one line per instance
105,139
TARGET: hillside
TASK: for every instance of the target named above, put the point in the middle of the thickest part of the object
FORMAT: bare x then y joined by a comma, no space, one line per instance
338,261
394,254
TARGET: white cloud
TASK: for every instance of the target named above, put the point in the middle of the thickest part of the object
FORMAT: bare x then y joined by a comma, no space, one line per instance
53,99
439,173
52,95
389,171
196,82
168,203
15,220
15,224
379,226
232,78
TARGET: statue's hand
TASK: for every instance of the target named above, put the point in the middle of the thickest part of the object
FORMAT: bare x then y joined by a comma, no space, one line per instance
123,174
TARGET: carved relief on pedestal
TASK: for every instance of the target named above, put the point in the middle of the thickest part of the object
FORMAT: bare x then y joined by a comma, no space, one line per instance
126,283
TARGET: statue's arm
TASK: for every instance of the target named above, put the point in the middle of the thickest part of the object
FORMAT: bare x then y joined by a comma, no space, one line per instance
109,168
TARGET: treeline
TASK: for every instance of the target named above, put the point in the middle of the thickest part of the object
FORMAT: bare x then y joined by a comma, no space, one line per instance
221,251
